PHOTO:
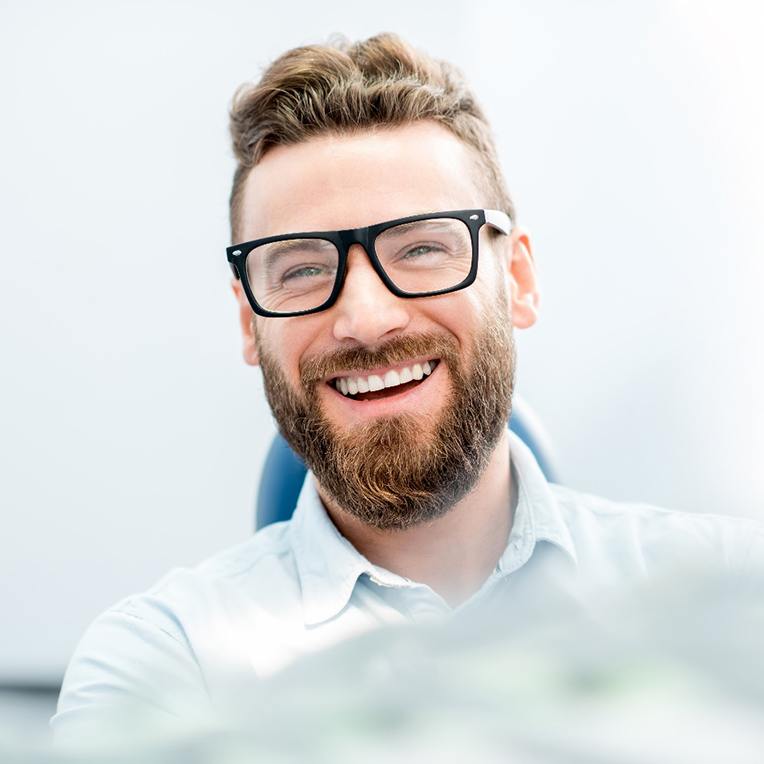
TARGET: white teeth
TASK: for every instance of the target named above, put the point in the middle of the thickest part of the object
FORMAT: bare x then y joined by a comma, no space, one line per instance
392,378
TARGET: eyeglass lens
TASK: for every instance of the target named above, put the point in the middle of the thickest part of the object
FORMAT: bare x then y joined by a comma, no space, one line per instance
419,257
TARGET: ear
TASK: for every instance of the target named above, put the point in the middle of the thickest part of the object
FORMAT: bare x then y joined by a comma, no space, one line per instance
246,320
523,286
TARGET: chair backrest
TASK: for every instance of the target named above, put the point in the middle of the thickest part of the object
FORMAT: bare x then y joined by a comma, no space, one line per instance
284,471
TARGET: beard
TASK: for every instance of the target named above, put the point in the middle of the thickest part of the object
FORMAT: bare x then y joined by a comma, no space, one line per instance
384,472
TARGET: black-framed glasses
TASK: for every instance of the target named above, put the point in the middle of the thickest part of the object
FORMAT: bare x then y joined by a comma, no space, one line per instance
295,274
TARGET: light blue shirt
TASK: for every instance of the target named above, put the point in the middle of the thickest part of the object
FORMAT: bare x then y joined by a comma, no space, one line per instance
299,586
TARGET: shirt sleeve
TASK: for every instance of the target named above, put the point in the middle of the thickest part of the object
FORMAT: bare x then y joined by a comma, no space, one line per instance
130,672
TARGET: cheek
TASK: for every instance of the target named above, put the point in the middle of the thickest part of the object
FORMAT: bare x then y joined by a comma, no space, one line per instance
292,340
477,299
289,356
493,280
488,269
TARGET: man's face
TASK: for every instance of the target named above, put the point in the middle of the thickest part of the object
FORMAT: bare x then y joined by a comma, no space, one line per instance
405,454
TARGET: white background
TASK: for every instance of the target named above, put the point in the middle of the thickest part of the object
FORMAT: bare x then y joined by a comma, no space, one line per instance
131,434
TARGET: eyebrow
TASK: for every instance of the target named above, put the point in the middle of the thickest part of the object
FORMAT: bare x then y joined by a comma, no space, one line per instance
275,250
404,228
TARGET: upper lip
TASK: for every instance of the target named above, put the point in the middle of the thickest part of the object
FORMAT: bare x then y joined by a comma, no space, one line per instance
380,371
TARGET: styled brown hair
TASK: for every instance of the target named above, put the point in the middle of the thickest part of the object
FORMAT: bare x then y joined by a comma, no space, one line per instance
344,87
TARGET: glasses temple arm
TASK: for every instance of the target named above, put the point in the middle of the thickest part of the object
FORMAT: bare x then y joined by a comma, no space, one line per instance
499,220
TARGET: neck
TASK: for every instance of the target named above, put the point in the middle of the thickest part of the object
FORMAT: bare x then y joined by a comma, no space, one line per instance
454,554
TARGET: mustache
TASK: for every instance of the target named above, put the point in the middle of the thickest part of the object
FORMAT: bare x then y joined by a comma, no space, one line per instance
394,351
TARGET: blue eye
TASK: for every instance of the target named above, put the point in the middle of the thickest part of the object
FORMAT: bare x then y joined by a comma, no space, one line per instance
307,276
303,272
421,249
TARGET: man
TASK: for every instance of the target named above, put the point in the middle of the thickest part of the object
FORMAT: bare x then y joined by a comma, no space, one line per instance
379,278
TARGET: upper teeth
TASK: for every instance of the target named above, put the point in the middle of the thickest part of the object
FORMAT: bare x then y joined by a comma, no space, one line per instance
392,378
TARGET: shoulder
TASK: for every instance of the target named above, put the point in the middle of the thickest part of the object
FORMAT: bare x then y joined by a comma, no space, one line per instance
647,535
155,649
249,570
266,552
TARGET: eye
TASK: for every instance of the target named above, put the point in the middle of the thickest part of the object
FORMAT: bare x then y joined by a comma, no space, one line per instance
302,272
421,249
306,276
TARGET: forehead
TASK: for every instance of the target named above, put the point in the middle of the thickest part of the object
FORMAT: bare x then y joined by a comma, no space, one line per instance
347,181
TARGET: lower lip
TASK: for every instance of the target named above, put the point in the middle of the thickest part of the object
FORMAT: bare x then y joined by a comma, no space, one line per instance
391,404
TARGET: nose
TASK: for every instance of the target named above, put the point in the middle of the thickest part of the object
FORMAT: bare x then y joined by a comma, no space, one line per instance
366,311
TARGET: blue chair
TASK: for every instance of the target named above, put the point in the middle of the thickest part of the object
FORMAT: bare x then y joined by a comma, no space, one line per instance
284,471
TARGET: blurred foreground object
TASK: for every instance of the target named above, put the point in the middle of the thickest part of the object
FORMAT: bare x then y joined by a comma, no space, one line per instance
670,671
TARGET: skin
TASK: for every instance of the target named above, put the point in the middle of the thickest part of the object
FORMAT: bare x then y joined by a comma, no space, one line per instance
336,182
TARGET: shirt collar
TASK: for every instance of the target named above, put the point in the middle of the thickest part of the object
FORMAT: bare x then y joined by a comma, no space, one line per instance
537,514
328,565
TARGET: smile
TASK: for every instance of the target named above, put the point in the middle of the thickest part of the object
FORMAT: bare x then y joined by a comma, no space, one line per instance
377,385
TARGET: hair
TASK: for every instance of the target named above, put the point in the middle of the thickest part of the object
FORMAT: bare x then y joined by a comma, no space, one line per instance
345,87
